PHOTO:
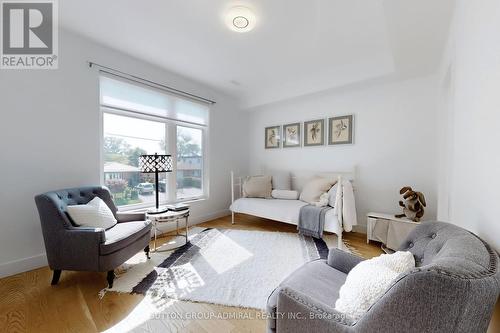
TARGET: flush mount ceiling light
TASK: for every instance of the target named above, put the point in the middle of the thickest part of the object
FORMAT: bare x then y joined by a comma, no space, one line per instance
240,19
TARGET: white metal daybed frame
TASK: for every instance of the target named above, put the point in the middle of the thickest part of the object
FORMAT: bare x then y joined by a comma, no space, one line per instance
298,179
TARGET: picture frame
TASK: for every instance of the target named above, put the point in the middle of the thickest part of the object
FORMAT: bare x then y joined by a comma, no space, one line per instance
272,137
292,136
340,130
314,133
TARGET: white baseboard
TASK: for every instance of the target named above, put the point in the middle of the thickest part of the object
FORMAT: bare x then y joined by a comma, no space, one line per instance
209,217
359,228
23,265
194,220
40,260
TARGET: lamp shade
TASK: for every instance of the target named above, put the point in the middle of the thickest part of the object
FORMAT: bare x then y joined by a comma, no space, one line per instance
155,163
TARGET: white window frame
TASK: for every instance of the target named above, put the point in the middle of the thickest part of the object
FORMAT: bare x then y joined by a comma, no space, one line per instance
171,140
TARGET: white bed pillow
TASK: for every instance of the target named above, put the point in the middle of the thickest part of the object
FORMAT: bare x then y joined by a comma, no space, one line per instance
282,180
95,214
285,194
369,280
257,187
314,188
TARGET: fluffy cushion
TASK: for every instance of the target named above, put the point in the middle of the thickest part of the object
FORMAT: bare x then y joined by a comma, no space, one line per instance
95,214
257,187
282,180
313,189
284,194
323,200
369,280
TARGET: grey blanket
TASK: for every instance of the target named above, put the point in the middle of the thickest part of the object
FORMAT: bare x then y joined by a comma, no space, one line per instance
312,220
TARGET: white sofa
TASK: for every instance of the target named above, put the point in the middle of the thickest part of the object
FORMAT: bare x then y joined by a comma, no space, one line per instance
287,211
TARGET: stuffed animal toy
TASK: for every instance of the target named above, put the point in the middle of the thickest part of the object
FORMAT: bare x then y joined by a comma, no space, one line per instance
413,205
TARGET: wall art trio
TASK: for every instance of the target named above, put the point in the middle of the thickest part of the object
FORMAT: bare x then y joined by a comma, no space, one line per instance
340,131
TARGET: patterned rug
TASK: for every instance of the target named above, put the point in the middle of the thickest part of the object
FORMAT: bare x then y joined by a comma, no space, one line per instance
221,266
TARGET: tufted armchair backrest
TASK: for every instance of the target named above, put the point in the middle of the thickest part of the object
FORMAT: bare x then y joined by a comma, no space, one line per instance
451,250
52,205
454,287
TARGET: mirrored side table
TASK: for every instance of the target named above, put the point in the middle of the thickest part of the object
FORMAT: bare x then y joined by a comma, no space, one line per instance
160,218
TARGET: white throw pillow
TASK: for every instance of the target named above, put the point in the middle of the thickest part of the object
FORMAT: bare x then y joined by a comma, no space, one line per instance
369,280
257,187
314,188
284,194
95,214
282,180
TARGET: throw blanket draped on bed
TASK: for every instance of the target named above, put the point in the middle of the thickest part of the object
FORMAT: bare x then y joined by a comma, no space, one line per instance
312,220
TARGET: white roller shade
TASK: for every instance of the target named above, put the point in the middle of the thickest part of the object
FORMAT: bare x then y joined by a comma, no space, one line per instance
123,94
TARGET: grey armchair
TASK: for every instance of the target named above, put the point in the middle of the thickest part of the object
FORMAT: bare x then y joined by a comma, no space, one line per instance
453,289
88,249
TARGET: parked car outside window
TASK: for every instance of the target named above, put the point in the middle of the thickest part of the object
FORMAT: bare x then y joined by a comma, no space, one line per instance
145,188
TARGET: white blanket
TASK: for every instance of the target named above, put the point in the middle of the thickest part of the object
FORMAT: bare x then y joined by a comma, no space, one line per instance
348,206
344,203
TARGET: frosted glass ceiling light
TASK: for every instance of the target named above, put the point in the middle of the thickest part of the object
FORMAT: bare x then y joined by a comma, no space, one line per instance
240,19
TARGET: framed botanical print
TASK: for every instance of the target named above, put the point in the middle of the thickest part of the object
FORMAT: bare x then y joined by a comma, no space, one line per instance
291,135
273,137
340,130
314,132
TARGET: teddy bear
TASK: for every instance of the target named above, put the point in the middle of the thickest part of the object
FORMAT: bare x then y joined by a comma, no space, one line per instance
413,205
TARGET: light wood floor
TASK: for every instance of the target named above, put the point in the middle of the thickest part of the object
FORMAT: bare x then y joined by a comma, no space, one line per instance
28,303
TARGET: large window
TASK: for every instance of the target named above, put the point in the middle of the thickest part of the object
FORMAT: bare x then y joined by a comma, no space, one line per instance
189,162
141,120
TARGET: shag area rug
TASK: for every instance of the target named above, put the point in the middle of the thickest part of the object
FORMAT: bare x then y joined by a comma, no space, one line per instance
221,266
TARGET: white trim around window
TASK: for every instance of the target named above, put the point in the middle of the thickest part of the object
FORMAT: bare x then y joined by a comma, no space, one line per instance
171,139
173,184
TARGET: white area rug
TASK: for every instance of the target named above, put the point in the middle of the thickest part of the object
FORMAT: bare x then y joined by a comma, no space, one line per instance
221,266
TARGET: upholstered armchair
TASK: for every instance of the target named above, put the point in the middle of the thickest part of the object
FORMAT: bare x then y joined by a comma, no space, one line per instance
89,249
453,288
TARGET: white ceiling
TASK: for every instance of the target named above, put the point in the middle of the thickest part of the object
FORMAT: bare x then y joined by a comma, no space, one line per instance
297,47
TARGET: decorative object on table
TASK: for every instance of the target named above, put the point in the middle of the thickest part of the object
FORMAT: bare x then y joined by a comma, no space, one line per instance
389,230
291,135
155,164
220,263
177,207
314,133
272,137
340,130
74,248
170,216
413,205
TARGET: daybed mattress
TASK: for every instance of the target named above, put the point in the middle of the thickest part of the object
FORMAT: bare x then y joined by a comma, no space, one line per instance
281,210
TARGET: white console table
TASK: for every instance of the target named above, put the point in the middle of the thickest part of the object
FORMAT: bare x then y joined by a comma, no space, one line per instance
389,230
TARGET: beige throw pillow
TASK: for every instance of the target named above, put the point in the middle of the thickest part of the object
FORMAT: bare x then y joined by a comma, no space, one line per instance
257,187
313,189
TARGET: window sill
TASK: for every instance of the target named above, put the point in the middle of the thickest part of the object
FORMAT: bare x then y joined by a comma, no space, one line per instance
143,208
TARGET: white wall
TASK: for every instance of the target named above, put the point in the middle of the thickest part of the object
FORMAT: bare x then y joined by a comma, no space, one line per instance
395,133
469,116
49,132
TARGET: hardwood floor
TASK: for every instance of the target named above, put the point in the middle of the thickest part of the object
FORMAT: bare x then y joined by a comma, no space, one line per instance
28,302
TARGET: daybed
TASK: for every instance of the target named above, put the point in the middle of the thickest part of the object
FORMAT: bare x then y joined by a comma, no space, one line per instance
336,220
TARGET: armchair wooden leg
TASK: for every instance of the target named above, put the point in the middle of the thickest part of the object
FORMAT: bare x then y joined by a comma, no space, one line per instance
110,278
146,249
56,276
